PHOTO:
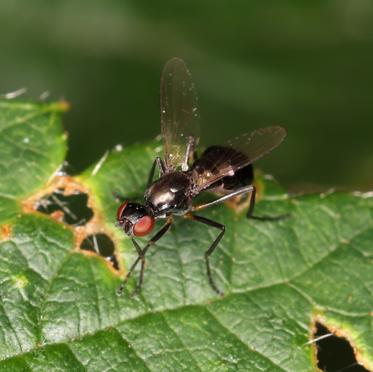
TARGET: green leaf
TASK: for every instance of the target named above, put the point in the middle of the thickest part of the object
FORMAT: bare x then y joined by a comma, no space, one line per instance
59,309
32,147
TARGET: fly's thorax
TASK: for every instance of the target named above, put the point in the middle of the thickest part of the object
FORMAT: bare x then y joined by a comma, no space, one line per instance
170,193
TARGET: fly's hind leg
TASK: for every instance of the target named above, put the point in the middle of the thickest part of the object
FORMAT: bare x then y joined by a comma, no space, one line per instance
241,191
244,190
250,211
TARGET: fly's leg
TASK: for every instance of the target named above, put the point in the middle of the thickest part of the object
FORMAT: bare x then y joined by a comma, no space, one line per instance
162,168
247,189
262,218
211,249
141,257
223,198
118,197
188,153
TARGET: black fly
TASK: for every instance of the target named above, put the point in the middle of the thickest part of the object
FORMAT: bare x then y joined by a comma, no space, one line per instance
226,170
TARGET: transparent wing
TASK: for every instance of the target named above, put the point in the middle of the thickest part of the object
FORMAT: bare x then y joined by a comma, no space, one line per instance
221,161
179,112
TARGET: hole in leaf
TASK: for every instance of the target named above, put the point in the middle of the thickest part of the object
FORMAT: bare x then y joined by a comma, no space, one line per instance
73,207
102,245
335,354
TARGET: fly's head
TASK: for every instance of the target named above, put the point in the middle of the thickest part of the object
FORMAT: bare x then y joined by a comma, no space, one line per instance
135,219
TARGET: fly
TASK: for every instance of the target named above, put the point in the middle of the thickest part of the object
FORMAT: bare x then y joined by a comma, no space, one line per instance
226,170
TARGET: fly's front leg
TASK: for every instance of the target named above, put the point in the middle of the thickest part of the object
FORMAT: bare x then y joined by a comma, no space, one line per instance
211,249
118,197
157,162
162,168
141,257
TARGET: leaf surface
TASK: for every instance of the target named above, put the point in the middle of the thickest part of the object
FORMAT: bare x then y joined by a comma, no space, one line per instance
59,309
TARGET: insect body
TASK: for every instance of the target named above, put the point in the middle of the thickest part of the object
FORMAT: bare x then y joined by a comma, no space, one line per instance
226,170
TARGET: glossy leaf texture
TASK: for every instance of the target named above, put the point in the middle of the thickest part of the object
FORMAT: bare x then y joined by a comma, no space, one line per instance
59,309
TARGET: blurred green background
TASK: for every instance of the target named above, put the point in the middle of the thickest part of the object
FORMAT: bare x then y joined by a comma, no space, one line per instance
307,65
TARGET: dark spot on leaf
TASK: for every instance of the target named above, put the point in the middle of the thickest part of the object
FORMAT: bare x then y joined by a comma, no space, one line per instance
335,354
73,207
102,245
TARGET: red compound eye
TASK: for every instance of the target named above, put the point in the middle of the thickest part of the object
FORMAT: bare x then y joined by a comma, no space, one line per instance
121,209
143,226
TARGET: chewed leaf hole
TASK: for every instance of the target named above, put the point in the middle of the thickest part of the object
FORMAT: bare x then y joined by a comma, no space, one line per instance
103,246
335,354
72,207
